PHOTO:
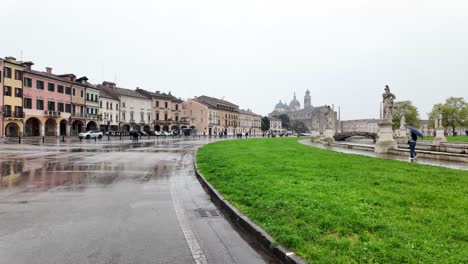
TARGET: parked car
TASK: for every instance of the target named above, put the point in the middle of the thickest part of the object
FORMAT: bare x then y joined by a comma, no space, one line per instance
90,134
143,133
165,133
158,133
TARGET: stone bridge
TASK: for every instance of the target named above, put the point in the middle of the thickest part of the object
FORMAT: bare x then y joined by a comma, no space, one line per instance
345,135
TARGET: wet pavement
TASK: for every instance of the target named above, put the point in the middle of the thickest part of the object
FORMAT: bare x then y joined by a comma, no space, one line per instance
426,161
112,202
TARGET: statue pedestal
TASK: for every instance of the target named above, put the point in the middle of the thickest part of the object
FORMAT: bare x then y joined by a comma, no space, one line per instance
401,135
385,141
440,136
328,136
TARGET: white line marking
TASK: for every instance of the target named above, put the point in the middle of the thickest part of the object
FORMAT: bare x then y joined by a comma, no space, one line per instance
289,253
197,253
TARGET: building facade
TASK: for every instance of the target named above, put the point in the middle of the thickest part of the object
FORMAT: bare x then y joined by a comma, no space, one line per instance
13,114
135,108
275,126
250,122
109,106
220,117
2,131
360,125
197,115
167,111
47,103
92,105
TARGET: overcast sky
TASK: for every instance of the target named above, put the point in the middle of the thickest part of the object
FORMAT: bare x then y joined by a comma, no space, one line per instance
253,53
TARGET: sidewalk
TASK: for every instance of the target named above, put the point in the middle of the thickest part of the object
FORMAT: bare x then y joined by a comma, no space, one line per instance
433,162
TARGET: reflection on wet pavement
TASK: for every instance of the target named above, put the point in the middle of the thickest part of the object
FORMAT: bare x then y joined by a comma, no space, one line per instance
86,166
109,202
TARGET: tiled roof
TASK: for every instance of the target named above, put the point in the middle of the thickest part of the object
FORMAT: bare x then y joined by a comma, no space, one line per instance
46,75
158,94
213,102
245,112
116,91
106,94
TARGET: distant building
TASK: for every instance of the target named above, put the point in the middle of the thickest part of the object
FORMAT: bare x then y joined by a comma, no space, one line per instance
249,122
135,108
315,118
109,105
167,111
275,125
360,125
211,115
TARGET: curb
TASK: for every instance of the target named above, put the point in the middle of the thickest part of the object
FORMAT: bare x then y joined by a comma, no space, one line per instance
234,215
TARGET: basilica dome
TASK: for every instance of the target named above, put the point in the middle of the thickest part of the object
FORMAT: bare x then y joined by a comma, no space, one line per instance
281,107
294,104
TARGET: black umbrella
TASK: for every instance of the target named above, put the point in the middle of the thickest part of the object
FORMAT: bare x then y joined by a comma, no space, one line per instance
415,131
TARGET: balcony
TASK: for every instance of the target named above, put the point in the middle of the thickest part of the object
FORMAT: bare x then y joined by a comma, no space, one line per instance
52,113
78,115
13,114
92,117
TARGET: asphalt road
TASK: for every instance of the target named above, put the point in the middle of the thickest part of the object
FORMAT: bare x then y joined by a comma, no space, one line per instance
112,202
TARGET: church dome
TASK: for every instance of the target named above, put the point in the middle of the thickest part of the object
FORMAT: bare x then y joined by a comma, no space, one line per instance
294,104
281,106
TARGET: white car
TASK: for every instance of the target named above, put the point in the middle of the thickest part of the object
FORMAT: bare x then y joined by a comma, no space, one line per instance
165,133
91,134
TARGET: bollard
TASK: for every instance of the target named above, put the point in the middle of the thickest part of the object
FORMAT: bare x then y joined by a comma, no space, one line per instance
43,139
120,134
149,136
95,139
19,139
108,137
63,138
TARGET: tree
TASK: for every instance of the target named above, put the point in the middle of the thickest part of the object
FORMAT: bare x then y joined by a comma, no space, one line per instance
454,113
407,109
285,122
299,127
265,123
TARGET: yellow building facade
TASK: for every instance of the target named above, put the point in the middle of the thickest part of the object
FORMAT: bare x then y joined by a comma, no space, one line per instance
13,114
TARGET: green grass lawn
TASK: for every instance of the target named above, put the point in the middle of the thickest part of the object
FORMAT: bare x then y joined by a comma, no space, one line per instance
450,139
331,207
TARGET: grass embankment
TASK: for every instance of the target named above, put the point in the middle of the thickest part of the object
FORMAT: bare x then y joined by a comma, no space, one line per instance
456,139
338,208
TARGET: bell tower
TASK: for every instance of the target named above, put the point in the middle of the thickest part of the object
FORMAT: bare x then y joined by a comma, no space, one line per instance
307,100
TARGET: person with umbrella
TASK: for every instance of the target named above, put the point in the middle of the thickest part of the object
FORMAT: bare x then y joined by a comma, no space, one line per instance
413,140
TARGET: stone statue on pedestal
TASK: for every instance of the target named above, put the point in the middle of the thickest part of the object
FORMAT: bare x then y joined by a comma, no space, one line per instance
403,122
388,100
438,119
439,128
386,140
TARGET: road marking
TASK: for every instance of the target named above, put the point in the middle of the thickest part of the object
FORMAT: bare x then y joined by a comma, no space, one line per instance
197,252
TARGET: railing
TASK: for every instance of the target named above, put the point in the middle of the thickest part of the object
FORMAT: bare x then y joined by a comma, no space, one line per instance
81,115
89,116
13,114
52,113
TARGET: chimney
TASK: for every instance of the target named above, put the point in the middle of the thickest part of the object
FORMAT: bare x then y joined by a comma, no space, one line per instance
48,70
108,84
10,59
28,64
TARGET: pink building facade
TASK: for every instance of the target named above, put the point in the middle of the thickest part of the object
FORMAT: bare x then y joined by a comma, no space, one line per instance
46,103
1,96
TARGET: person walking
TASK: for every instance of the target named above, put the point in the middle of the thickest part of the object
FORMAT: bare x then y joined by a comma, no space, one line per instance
412,145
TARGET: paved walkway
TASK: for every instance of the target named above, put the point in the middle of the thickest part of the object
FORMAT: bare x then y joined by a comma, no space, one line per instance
112,202
433,162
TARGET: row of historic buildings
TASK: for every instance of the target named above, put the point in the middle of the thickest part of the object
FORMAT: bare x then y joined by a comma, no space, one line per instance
43,103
